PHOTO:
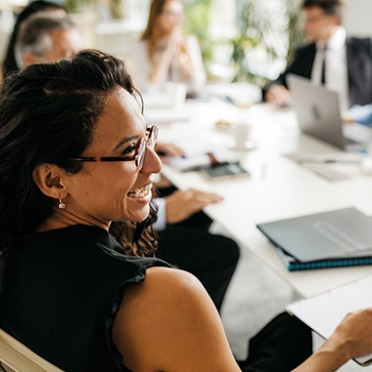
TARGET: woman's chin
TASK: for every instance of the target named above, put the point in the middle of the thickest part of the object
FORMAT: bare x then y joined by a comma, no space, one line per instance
142,215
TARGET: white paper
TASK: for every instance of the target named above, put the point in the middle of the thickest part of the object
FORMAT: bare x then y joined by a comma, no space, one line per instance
324,312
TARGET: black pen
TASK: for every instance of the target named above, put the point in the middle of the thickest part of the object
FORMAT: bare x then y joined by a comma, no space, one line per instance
329,161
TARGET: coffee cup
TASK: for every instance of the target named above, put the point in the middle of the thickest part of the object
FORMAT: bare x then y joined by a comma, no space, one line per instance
241,136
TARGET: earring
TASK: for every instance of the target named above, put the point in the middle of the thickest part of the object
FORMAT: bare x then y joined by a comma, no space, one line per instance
61,204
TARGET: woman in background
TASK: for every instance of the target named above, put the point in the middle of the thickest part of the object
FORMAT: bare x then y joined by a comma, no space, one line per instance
164,53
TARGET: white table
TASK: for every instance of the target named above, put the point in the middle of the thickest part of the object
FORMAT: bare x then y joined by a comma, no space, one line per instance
279,187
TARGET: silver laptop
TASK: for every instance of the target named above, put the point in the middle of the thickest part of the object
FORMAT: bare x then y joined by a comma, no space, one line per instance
338,234
318,113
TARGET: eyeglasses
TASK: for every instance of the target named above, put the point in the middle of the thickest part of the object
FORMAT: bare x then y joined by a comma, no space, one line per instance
172,14
149,140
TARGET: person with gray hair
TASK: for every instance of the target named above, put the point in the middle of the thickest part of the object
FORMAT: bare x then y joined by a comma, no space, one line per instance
44,38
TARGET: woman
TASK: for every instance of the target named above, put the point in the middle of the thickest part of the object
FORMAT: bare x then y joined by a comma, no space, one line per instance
164,53
77,163
9,64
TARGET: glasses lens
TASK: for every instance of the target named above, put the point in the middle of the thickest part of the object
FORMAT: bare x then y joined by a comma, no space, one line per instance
153,137
150,140
141,153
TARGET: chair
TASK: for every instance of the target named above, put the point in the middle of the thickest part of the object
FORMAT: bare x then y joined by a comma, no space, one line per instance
16,357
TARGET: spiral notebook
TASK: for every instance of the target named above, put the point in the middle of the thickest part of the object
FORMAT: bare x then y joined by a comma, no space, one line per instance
336,238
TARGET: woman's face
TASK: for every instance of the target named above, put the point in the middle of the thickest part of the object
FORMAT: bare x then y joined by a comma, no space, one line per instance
113,191
171,17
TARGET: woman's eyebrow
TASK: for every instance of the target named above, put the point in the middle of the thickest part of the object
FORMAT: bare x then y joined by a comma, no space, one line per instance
125,140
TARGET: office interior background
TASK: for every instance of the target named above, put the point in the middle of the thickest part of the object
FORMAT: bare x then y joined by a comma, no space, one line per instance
241,40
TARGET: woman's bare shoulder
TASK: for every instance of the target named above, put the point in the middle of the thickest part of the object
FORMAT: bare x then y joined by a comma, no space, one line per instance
168,313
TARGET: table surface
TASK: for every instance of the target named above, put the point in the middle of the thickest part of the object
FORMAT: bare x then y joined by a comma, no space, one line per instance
278,187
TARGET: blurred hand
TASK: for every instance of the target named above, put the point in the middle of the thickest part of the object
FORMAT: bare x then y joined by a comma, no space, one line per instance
354,334
182,204
347,118
168,149
278,94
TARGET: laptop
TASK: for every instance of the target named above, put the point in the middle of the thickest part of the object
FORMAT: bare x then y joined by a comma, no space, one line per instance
318,114
338,234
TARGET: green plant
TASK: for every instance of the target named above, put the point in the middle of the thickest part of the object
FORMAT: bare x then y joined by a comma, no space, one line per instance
197,19
253,35
295,34
256,35
72,5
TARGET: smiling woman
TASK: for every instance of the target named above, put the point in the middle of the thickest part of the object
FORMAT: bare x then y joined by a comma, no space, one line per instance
59,211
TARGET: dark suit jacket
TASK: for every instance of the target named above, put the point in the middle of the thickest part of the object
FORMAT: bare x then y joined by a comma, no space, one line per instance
359,65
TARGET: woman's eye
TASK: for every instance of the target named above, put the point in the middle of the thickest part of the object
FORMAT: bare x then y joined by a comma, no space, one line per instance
130,150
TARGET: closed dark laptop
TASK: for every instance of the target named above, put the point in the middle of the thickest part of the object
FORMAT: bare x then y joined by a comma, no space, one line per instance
344,233
318,114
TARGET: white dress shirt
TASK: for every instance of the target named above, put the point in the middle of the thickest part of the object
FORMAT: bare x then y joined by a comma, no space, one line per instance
161,222
336,72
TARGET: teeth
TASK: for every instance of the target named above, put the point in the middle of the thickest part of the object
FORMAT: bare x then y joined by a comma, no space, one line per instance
140,192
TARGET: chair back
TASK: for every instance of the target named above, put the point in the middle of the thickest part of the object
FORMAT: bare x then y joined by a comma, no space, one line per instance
16,357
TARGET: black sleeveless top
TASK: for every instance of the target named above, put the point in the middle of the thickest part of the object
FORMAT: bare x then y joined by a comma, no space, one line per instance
61,291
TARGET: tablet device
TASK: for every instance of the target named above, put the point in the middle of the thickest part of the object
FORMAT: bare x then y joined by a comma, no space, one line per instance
225,171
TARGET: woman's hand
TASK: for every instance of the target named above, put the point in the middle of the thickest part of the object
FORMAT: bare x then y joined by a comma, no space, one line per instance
354,334
182,204
352,338
168,149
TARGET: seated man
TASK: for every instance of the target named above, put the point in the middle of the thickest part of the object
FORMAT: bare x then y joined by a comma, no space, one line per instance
45,37
184,239
343,64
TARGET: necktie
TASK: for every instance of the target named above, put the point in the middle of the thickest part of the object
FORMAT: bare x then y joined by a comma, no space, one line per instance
323,73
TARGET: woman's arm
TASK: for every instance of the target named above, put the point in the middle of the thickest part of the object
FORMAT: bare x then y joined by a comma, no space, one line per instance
159,69
195,70
169,323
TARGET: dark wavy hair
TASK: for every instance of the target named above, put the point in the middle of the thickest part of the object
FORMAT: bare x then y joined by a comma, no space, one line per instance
47,115
9,63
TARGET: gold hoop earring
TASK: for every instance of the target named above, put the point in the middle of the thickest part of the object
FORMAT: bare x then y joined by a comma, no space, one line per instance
61,204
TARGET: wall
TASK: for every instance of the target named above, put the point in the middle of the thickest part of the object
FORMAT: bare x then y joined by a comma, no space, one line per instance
357,17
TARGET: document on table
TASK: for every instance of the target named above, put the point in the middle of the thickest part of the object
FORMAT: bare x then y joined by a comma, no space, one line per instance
322,313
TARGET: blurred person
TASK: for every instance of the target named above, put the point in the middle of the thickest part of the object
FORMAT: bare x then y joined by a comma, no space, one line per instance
9,63
343,64
79,285
45,38
184,237
164,53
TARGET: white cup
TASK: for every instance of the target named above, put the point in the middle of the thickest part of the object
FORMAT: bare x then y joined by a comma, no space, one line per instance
241,134
177,91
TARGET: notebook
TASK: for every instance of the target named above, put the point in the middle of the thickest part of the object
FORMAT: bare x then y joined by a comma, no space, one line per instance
291,264
322,313
318,114
336,238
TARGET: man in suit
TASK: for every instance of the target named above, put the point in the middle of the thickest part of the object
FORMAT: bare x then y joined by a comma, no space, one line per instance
343,64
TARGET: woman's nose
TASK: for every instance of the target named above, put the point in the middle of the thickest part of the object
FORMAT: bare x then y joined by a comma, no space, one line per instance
152,163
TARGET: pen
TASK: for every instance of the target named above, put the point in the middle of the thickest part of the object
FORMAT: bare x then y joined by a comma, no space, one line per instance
329,161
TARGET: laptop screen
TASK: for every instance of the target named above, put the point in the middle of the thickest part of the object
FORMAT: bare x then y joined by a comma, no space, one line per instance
318,111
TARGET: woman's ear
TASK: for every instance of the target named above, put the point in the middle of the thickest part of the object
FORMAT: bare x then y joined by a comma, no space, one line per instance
49,179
